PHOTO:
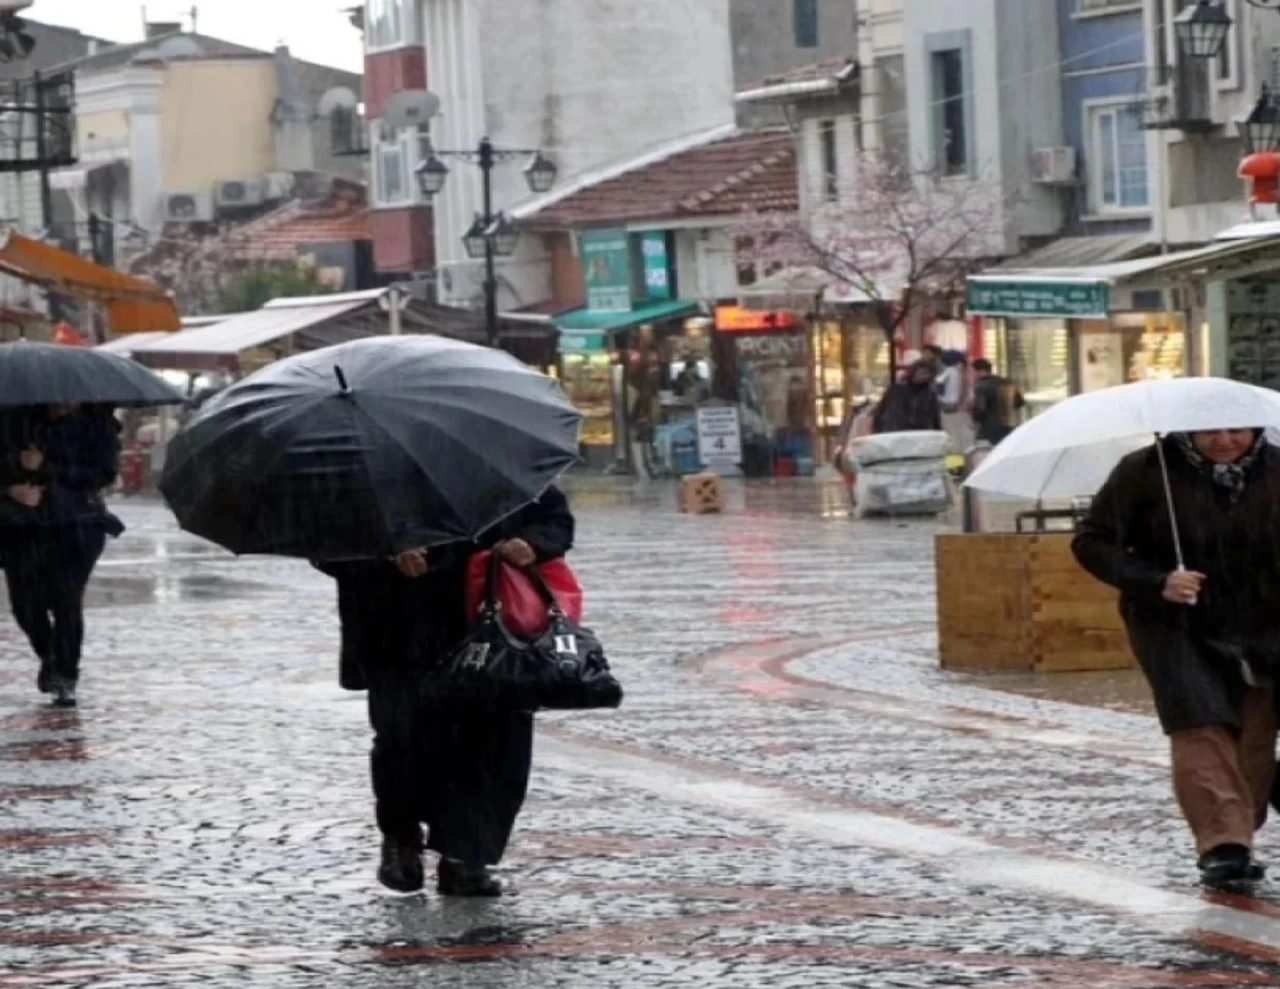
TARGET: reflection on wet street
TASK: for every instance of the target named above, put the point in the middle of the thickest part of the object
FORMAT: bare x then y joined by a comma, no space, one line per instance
111,588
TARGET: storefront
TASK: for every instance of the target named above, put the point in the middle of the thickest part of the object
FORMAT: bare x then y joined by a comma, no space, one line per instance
587,378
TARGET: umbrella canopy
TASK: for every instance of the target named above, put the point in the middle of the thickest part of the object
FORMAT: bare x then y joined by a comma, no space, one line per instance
1072,448
48,374
369,448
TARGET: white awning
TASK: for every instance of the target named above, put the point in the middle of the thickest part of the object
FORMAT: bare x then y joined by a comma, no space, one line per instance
222,342
127,344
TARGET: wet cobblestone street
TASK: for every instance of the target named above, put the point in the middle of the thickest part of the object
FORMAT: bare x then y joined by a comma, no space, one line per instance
793,794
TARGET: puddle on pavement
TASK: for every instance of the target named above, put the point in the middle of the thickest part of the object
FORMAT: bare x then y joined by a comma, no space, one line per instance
1113,690
147,547
107,590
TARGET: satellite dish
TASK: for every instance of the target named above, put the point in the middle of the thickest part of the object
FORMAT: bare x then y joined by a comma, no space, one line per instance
410,108
338,98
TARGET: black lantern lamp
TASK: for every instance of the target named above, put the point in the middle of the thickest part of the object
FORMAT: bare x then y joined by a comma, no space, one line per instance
1202,29
505,236
1261,128
540,173
476,239
431,175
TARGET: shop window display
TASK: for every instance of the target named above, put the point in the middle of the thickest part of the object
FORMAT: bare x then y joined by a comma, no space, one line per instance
586,383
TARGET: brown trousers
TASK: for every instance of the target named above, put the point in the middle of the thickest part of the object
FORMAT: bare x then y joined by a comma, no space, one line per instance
1222,777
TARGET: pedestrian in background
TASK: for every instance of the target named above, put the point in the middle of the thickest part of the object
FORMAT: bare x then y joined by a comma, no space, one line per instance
57,462
463,772
910,404
955,394
1207,637
997,404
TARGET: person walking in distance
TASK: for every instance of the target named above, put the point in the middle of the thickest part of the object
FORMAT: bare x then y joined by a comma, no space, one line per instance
57,462
997,403
460,770
1208,636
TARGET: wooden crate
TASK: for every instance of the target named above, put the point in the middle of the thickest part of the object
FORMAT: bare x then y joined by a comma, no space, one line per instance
1021,602
701,494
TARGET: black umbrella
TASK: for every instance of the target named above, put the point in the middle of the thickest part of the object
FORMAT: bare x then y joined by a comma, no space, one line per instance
52,374
369,448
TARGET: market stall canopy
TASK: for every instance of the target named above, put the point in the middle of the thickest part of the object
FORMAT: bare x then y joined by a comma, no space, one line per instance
132,305
1084,292
601,321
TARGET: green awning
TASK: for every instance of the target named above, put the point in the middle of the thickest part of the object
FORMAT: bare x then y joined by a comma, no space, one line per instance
588,320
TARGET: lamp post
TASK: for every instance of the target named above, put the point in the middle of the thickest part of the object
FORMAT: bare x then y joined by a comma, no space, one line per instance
492,235
1261,128
1202,28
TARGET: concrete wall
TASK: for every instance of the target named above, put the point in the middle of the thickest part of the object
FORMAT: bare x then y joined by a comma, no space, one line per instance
205,103
764,36
588,81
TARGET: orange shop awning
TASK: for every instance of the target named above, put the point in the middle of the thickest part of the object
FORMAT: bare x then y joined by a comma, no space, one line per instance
133,305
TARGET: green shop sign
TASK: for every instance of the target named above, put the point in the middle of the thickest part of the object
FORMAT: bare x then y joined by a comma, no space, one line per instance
606,269
657,276
1080,300
581,343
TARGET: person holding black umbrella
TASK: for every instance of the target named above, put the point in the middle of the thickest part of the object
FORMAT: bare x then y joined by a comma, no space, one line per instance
57,461
461,770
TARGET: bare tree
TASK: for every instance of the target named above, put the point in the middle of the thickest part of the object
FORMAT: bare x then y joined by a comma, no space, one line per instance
885,235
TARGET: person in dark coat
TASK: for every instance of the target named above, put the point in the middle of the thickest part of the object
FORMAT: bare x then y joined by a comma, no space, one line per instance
461,772
996,404
1207,637
55,464
910,404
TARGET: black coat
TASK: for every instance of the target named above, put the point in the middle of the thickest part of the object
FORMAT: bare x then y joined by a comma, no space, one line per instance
81,459
1127,542
389,620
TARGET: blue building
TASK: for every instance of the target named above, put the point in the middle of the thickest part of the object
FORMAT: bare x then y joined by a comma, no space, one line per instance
1103,54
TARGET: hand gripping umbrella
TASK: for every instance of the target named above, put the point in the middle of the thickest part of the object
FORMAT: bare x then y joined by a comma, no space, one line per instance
369,448
48,374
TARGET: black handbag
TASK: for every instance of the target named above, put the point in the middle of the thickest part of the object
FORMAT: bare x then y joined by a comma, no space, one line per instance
563,669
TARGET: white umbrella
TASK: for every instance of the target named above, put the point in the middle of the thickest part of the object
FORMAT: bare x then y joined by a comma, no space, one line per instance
1072,448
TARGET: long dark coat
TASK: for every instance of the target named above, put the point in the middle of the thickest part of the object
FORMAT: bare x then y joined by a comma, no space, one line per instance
389,619
1126,541
908,405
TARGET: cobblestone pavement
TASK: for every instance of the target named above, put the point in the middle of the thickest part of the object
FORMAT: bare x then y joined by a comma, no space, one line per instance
793,794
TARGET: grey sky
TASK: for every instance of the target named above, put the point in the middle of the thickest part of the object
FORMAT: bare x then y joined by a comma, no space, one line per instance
315,30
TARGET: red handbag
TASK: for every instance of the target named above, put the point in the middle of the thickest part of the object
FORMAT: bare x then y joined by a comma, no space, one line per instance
524,612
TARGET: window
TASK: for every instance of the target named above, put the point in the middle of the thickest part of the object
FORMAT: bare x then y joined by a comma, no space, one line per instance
805,15
1227,58
891,107
830,165
950,127
1162,34
1118,175
390,24
395,156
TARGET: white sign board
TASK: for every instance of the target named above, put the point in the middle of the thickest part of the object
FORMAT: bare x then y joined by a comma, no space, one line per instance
719,437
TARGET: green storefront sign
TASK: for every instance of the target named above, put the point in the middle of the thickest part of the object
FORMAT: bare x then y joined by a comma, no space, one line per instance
581,343
606,269
657,275
1070,300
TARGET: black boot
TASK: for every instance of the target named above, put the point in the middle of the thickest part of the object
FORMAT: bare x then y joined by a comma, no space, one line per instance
44,679
64,692
1230,865
401,867
455,878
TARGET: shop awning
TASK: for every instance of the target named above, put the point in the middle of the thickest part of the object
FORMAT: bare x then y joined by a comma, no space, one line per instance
791,288
132,305
1085,292
588,320
218,346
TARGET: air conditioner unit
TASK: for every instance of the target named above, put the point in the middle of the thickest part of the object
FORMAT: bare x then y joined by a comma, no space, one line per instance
186,207
1053,166
238,194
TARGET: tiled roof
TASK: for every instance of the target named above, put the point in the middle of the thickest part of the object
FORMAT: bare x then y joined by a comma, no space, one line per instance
752,172
277,235
817,79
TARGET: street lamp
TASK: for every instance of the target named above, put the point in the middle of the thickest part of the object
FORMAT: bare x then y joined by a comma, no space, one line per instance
492,235
1202,28
1261,128
431,175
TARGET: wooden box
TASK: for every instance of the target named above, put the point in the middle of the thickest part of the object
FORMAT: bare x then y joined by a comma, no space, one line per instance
1021,602
701,494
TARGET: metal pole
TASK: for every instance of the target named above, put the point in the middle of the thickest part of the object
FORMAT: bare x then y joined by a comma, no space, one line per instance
46,187
490,266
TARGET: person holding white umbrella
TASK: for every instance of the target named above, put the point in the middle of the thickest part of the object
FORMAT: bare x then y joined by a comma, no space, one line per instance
1187,528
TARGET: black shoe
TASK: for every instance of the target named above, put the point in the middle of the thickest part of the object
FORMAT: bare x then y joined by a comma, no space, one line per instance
1230,865
401,867
64,692
44,679
461,879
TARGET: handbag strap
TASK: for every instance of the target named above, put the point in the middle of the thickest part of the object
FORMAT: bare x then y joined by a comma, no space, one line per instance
540,585
490,605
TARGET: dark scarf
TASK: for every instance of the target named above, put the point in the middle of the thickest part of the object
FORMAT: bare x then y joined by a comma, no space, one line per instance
1229,478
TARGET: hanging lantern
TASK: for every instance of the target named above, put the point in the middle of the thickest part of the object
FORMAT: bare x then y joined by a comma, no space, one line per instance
1202,28
1261,128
